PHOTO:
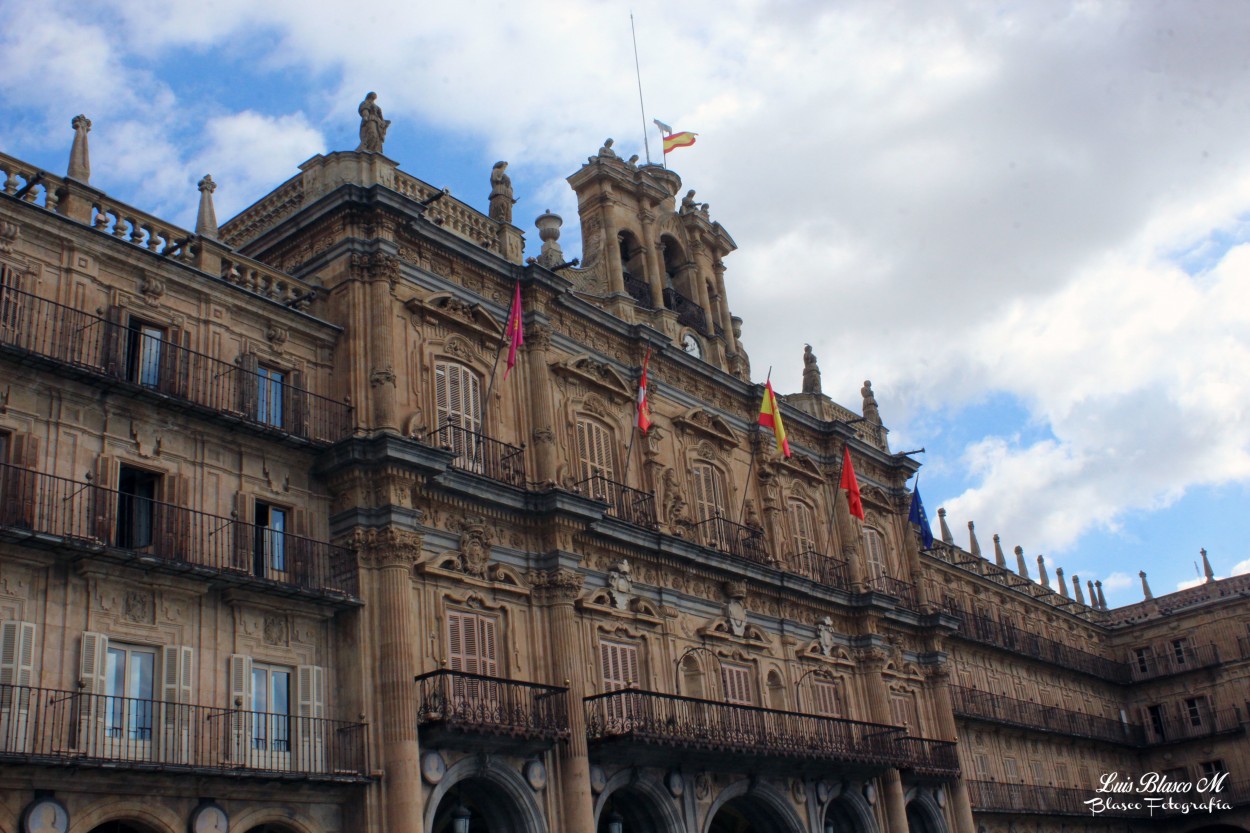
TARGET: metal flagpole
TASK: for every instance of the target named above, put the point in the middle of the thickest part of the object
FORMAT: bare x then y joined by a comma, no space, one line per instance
755,441
646,143
494,369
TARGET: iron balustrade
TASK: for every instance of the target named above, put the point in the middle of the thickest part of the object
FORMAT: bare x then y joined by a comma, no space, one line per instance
1005,635
480,454
1173,660
896,588
630,505
993,797
105,349
1243,646
480,704
693,724
970,702
723,534
831,572
927,756
639,289
49,726
34,505
689,313
1170,728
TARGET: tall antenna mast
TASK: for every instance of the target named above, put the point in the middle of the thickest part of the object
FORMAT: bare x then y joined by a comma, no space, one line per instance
646,143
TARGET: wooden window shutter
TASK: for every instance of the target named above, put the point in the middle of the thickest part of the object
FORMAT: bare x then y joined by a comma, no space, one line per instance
803,529
240,674
248,385
736,681
177,693
594,451
310,709
173,519
92,662
244,534
92,670
19,487
620,665
490,656
102,499
113,338
17,653
875,553
13,327
827,698
709,493
296,415
175,363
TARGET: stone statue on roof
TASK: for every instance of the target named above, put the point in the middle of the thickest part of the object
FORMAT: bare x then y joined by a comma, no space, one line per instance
372,125
811,371
501,199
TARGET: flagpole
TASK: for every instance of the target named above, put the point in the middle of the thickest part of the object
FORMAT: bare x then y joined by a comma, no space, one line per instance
494,369
646,142
755,437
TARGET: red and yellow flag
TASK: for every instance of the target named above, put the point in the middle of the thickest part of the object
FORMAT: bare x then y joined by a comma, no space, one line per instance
851,485
770,417
683,139
515,333
644,407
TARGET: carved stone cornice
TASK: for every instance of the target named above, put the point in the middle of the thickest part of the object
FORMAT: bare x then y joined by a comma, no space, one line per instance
595,374
872,658
706,423
458,313
538,336
387,547
558,586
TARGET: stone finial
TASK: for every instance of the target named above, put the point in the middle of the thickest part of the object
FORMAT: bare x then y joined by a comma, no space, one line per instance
79,156
946,530
501,200
1021,568
871,413
999,558
1077,593
811,371
1093,597
1063,585
206,217
1206,565
549,232
372,126
1145,586
973,546
1041,571
1102,600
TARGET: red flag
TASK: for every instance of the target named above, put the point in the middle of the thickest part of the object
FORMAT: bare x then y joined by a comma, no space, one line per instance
770,417
515,332
644,407
851,484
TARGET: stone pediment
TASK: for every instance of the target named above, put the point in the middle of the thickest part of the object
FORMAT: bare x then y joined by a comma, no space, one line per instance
596,375
802,467
702,422
875,495
461,314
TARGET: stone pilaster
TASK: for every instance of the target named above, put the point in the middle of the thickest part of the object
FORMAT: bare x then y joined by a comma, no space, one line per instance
381,271
939,684
651,253
537,342
871,663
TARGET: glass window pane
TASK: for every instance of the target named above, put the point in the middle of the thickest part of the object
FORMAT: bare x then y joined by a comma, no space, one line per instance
150,355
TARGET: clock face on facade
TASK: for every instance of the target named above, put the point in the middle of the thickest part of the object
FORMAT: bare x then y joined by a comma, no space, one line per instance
209,818
691,345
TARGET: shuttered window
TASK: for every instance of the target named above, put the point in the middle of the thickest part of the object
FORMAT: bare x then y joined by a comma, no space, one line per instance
620,665
736,682
595,458
459,411
802,528
874,550
17,669
471,643
11,328
903,712
709,491
826,698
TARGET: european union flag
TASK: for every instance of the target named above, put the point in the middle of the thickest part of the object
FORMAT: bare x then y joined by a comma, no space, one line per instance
917,516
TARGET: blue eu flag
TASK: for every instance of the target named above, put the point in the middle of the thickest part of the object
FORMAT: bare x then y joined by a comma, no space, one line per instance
918,517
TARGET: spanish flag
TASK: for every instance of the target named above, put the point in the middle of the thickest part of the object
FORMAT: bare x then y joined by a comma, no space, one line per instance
514,333
683,139
851,485
644,407
770,417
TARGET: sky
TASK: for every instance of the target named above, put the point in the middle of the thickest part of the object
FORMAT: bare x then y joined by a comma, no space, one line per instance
1028,223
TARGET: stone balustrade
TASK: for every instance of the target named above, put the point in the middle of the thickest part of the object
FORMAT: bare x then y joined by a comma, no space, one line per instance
17,175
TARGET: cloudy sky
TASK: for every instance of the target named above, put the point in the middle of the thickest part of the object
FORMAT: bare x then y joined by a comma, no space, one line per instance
1027,222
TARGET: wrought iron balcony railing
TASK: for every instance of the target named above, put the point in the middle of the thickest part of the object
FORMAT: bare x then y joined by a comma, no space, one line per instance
689,313
148,361
982,705
1003,635
831,572
481,454
630,505
475,704
1190,724
926,756
896,588
692,724
1175,660
993,797
46,726
39,506
743,541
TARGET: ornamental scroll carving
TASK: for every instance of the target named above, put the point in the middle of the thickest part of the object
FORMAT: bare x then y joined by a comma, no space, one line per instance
387,547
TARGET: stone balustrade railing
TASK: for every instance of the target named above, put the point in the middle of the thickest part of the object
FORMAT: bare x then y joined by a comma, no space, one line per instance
17,175
451,214
266,281
143,230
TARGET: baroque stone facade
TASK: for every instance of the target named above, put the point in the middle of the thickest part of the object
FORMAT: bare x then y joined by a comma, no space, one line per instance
281,553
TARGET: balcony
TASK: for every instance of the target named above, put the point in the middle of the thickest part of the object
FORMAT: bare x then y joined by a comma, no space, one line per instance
1173,661
820,568
689,313
652,725
463,710
42,509
981,705
62,728
1168,728
896,588
1004,635
33,329
723,534
475,452
993,797
629,505
928,757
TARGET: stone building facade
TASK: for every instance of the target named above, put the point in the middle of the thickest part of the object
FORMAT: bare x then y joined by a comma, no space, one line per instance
284,550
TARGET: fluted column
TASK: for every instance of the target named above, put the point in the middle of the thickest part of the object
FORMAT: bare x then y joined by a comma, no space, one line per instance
612,247
702,268
871,663
537,342
939,684
389,555
726,319
381,272
651,256
558,589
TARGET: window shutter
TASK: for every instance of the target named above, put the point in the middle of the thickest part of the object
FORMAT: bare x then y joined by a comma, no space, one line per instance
244,534
113,342
172,521
20,484
875,553
594,451
458,404
248,385
804,530
489,664
297,416
736,681
240,673
12,327
177,667
310,708
304,567
174,363
92,668
620,665
17,668
825,695
310,679
102,499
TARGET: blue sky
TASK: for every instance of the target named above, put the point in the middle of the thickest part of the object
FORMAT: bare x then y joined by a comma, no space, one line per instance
1025,222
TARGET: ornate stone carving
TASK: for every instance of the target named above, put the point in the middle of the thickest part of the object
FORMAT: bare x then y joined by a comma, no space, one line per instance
382,376
621,585
276,630
386,547
151,288
558,585
475,541
824,636
811,371
501,200
137,606
277,337
9,233
372,126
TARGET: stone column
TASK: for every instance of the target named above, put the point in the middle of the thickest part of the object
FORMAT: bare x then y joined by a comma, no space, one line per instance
702,268
651,253
871,663
381,273
537,342
726,319
939,684
389,555
612,245
558,590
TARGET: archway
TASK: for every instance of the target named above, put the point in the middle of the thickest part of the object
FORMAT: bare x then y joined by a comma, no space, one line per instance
122,826
638,807
923,818
487,807
844,815
271,827
745,807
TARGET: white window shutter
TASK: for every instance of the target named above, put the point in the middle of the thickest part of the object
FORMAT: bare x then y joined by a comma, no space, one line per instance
177,663
17,653
310,680
92,664
240,672
309,728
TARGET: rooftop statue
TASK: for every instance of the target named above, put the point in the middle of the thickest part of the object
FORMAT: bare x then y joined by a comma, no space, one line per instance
606,150
372,125
811,371
871,413
501,199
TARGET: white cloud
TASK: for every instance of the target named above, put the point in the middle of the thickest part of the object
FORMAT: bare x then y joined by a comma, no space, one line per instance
1117,581
1240,568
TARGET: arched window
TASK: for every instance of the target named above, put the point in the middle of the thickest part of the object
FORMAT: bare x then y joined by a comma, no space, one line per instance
802,528
874,552
776,692
458,400
634,269
691,678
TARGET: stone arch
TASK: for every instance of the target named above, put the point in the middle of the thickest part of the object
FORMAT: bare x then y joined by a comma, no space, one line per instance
766,808
148,816
923,814
648,808
634,266
493,788
849,813
270,820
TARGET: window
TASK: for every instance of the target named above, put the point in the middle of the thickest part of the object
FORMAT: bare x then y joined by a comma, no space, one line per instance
1012,768
594,453
802,528
269,396
1038,771
1210,769
457,395
903,712
1155,715
471,648
736,683
271,542
619,662
136,507
271,703
826,698
275,715
1180,651
1193,710
144,343
1144,659
10,305
128,686
709,492
1061,775
874,550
